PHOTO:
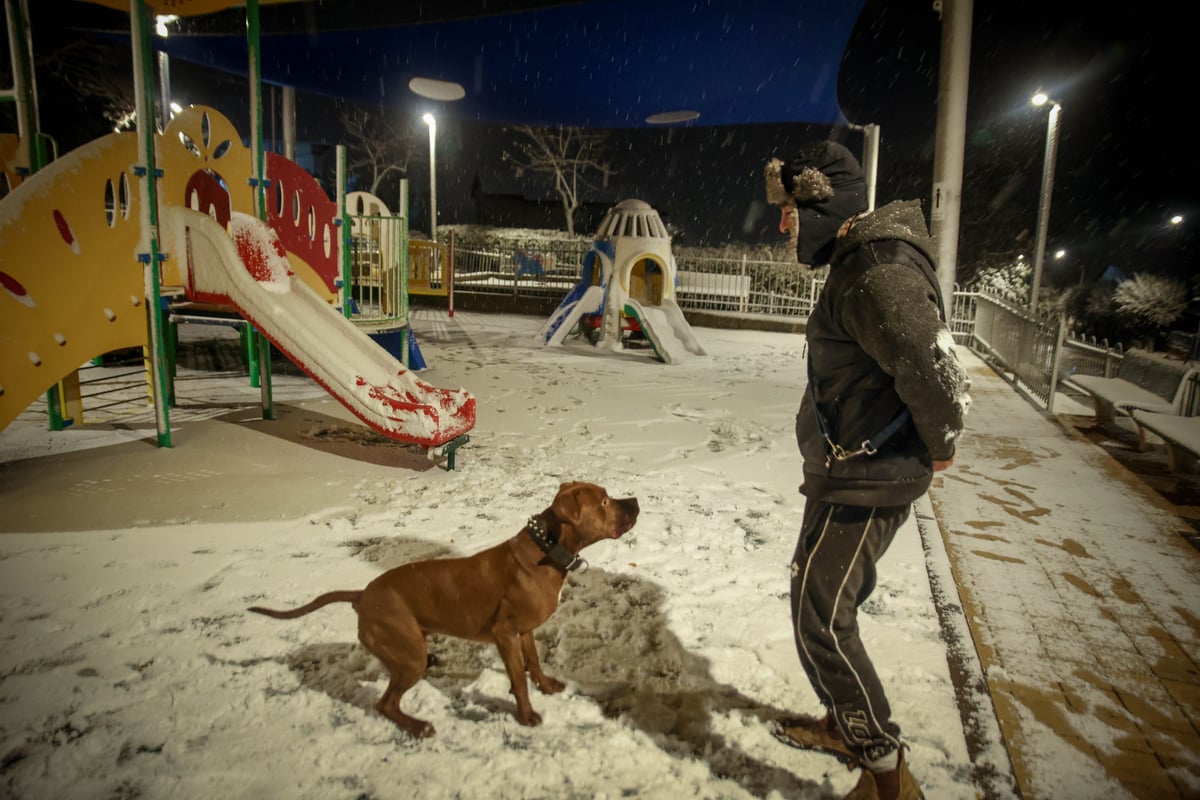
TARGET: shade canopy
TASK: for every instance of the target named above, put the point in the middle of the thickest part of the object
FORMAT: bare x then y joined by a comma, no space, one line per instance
185,8
597,64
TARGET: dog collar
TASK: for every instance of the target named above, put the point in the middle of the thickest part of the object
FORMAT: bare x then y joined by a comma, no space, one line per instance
556,554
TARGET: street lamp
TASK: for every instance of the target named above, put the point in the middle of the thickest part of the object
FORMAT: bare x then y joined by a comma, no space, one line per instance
1039,255
432,123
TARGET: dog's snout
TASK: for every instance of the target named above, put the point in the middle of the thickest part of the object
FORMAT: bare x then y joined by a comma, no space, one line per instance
628,507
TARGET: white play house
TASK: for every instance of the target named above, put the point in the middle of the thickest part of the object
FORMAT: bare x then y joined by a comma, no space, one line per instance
627,284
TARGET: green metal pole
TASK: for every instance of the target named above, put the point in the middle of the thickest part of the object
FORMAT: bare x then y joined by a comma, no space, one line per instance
259,181
402,254
24,83
344,232
250,347
148,170
171,341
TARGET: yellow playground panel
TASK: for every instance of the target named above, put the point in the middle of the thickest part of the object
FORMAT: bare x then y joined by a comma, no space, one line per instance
73,287
72,282
427,273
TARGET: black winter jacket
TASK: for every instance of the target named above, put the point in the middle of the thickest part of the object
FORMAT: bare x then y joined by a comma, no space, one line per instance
877,345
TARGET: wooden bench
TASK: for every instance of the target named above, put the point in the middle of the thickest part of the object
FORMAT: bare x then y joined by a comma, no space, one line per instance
1145,381
1180,434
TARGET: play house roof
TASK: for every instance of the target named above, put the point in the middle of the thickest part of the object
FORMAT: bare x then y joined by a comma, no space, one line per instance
632,218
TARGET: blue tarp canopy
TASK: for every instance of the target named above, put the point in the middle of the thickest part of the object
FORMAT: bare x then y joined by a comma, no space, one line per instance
597,64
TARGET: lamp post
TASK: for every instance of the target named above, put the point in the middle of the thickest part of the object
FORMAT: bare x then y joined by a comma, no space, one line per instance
432,123
164,67
1039,255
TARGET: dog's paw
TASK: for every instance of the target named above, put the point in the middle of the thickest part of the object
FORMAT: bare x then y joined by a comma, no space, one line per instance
531,720
419,729
548,685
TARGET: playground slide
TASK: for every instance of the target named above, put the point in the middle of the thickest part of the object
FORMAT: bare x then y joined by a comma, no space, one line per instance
667,330
250,272
579,301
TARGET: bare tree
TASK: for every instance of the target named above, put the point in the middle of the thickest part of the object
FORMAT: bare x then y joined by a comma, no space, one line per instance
567,155
378,144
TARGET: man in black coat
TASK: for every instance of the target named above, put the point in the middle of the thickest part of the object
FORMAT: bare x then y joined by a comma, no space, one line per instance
885,403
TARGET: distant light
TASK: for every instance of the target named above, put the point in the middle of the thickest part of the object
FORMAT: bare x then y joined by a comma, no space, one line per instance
1058,254
429,120
437,90
1021,257
1177,219
175,107
669,117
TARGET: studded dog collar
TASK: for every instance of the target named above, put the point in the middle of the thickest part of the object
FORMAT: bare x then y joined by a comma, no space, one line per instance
556,554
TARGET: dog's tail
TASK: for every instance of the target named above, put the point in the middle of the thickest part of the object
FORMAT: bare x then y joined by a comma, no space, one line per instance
320,602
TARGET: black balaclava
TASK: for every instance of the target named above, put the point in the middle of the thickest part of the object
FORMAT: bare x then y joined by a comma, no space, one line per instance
824,182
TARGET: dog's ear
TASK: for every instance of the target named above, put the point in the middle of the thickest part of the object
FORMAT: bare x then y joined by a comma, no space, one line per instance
566,504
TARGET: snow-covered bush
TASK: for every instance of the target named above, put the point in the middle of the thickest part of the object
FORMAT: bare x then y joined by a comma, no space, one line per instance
1010,282
491,235
1152,302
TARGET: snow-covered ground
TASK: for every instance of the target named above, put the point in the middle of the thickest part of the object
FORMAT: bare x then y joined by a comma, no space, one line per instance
129,667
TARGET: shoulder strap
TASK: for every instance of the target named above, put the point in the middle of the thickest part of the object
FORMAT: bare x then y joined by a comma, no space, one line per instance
869,447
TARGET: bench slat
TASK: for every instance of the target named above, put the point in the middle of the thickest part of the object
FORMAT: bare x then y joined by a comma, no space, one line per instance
1122,394
1181,435
1184,431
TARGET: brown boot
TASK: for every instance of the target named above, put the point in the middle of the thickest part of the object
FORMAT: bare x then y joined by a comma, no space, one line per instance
815,734
895,784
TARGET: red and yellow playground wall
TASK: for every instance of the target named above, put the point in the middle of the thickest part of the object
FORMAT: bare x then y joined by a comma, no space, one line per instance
72,286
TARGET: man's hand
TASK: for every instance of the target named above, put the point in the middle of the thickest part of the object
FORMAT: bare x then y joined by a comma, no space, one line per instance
938,466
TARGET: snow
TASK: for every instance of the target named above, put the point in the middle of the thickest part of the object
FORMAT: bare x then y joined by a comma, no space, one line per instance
130,667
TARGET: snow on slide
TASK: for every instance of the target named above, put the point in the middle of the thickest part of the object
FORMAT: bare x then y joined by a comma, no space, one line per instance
577,303
250,272
666,328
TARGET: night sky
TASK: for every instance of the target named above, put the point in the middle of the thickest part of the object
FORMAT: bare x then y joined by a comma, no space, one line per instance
1119,73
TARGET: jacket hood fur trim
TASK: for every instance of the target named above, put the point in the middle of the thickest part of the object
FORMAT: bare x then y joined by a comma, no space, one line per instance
810,185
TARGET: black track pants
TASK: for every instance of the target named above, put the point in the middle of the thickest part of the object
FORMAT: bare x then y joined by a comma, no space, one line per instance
833,572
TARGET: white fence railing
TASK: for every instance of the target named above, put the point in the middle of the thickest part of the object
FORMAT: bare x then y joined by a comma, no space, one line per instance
1040,354
703,283
739,286
1037,352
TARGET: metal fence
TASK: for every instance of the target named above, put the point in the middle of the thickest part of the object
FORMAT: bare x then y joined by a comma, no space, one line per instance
1041,356
1037,353
428,265
1027,347
378,269
535,269
545,269
735,286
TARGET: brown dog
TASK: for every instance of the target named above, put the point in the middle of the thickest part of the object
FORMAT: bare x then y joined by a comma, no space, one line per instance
498,595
